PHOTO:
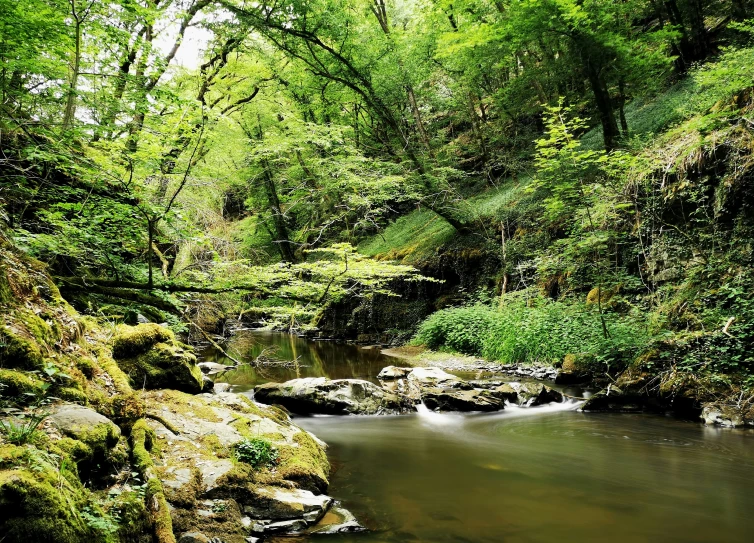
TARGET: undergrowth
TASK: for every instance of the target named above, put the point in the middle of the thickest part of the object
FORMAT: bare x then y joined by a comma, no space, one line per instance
535,331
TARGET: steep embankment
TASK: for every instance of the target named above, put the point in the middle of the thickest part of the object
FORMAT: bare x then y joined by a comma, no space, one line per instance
94,447
646,286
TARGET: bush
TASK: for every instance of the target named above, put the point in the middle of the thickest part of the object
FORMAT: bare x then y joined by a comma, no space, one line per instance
542,332
258,452
461,329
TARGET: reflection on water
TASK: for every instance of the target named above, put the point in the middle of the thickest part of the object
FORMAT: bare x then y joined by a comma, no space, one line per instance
308,359
535,475
544,477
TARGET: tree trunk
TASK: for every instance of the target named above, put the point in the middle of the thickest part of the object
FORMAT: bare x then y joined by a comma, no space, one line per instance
283,240
70,105
602,99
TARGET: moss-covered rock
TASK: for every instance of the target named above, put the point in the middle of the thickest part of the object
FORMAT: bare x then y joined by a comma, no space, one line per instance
576,368
16,383
130,341
86,425
152,358
41,502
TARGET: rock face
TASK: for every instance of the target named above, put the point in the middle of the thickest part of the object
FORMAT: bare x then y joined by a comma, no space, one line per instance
152,358
461,400
334,397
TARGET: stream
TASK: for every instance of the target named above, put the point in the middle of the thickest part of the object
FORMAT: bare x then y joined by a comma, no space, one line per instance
531,475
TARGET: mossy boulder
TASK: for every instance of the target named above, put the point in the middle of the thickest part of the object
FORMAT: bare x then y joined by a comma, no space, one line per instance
152,358
42,505
576,368
602,296
130,341
86,425
16,383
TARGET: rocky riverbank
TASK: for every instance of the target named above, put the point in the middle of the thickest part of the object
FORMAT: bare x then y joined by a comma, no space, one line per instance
113,434
402,390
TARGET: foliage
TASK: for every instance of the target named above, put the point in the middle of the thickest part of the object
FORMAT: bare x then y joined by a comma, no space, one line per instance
257,452
535,331
24,431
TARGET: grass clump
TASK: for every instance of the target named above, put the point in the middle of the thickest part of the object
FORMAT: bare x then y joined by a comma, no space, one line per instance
537,331
257,452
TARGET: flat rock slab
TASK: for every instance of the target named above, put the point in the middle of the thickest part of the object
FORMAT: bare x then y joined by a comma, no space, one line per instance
319,395
436,378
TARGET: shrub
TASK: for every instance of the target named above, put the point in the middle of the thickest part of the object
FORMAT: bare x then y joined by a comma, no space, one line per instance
258,452
535,332
461,329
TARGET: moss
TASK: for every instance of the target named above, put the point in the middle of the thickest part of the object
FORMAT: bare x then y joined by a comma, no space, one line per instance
17,351
185,496
164,365
43,504
306,465
185,404
212,443
602,295
130,341
120,379
133,521
578,363
73,448
72,394
127,408
86,366
16,383
142,439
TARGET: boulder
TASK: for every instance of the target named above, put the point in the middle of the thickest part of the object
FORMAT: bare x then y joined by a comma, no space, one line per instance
208,490
393,372
576,368
193,537
436,378
507,392
335,397
152,358
615,399
338,520
211,368
529,394
86,425
286,504
729,416
461,400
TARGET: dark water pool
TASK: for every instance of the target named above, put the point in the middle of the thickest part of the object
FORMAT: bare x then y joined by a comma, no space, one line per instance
549,474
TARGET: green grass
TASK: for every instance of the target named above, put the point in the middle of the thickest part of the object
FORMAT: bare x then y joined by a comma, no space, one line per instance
696,94
417,236
411,238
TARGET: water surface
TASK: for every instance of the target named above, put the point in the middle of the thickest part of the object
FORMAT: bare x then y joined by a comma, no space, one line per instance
526,475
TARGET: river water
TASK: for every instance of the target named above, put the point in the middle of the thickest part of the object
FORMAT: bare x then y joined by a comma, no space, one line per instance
532,475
